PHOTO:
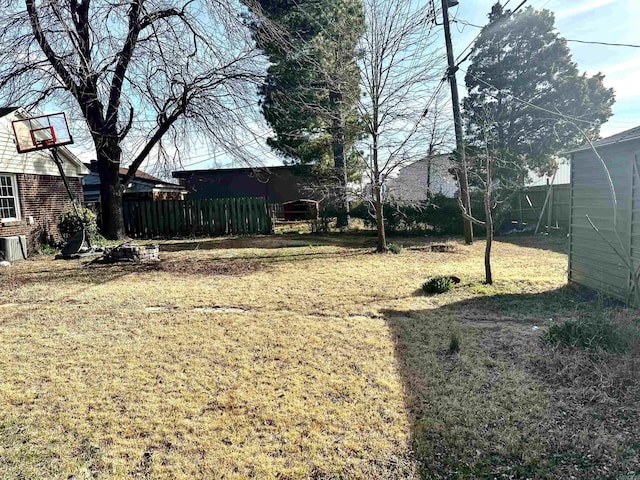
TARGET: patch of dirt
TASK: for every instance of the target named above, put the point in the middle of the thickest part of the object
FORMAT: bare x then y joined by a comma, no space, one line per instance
442,248
234,267
9,283
220,310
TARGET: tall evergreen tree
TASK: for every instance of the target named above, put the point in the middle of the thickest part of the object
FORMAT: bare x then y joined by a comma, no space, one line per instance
521,75
312,86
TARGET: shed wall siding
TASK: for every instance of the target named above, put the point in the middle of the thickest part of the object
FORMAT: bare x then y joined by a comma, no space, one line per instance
592,262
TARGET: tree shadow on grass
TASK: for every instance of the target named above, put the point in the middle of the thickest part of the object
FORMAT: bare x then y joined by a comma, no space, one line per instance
289,240
94,274
485,411
558,243
349,240
97,273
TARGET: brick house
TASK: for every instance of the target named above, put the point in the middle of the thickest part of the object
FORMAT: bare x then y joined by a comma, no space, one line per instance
32,193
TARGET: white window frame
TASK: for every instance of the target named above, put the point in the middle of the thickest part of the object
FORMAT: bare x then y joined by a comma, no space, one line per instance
15,197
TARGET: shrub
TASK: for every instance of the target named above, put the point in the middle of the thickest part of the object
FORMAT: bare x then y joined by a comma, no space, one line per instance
593,331
439,284
454,344
393,248
439,216
71,223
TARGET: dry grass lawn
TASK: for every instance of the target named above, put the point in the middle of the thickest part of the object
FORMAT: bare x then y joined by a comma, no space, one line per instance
295,357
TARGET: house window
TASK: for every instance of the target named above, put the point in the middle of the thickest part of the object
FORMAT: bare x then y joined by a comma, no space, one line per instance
9,203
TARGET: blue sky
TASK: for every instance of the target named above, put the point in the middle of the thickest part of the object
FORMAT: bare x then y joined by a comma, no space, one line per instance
614,21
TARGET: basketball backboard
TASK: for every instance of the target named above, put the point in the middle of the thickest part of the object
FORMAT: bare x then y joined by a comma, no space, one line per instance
43,131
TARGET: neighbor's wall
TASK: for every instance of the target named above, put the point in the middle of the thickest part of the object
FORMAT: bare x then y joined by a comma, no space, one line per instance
277,185
411,183
592,262
45,198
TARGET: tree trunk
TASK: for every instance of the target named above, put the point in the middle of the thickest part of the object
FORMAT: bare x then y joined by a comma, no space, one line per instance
489,225
382,239
377,198
339,162
112,220
487,251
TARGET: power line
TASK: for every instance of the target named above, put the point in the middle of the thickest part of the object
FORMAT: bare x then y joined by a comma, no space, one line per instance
458,61
526,102
591,42
604,43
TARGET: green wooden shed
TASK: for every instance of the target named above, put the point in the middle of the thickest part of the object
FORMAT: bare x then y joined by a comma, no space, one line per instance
599,259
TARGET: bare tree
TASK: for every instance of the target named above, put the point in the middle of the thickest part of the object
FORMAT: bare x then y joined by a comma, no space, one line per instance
137,73
399,72
496,174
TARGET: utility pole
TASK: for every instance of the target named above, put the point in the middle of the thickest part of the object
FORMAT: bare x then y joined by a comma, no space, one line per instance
463,181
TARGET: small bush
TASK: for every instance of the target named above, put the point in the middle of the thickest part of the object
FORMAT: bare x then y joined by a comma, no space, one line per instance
593,331
454,344
438,284
393,248
71,223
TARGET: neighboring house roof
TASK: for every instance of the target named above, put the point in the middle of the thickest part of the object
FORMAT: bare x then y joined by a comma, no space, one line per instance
627,135
139,176
37,162
188,173
142,183
4,111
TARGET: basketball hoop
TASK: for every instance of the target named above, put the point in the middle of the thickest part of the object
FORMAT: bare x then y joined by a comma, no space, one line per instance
47,132
41,132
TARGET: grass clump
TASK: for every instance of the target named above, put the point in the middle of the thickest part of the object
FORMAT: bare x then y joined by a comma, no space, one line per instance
595,331
454,344
438,284
393,248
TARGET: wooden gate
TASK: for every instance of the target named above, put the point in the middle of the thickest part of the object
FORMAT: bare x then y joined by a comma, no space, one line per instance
205,217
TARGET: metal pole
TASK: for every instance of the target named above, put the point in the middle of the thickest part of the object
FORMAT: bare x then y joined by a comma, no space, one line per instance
462,171
58,162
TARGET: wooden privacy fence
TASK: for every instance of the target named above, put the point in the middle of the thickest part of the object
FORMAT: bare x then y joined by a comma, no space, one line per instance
206,217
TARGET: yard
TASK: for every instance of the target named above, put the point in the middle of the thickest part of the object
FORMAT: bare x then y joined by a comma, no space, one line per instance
300,356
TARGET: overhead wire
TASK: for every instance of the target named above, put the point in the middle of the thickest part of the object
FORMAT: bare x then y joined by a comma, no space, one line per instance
458,60
604,43
526,102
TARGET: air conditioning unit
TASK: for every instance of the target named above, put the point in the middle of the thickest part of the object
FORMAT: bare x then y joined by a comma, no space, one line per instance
13,248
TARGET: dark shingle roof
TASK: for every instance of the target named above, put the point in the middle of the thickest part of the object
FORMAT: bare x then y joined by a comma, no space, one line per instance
627,135
7,110
140,175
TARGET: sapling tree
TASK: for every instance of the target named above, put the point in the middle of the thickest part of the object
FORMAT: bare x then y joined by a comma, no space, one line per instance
400,72
521,76
495,176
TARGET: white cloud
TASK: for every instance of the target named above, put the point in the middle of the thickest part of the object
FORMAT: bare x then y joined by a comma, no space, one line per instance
579,9
622,77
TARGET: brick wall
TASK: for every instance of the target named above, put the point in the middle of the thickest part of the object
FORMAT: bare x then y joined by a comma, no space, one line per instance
44,198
